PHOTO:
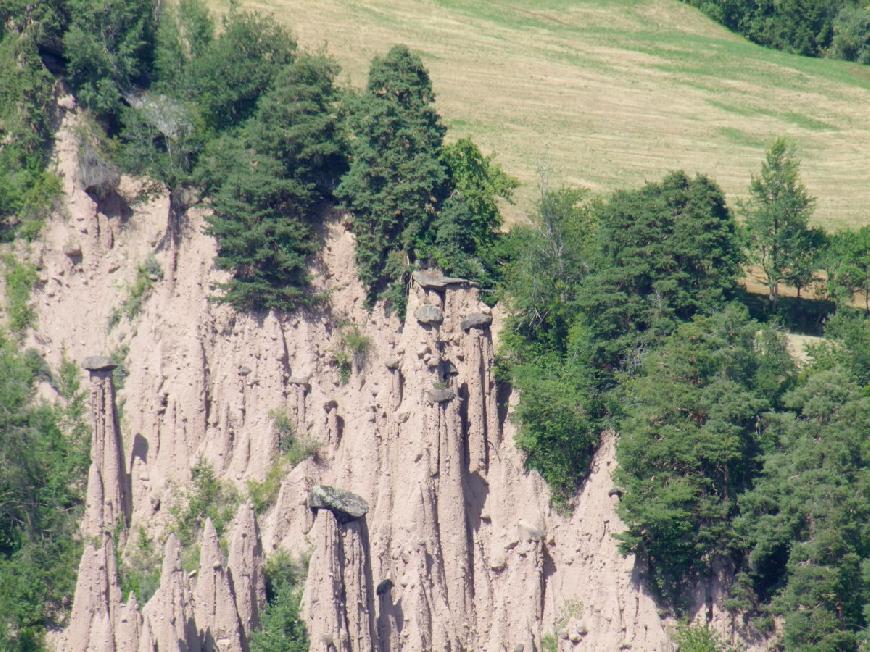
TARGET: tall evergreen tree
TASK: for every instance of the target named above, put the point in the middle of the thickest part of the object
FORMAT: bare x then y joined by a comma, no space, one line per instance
397,179
777,216
805,522
667,252
109,45
267,184
689,442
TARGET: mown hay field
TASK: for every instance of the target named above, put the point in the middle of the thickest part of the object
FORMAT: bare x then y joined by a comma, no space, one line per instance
610,93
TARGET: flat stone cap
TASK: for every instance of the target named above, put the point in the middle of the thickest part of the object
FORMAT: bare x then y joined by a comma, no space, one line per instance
345,505
432,279
429,314
477,320
99,363
440,395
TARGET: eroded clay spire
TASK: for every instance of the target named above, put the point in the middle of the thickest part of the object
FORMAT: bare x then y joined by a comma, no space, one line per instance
246,569
215,602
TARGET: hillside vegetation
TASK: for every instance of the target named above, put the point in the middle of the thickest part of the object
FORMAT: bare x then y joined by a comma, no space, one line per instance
608,94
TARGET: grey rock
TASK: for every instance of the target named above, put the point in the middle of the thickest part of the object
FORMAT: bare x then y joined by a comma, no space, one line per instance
97,173
345,505
616,491
98,363
440,395
476,320
244,371
432,279
300,380
429,314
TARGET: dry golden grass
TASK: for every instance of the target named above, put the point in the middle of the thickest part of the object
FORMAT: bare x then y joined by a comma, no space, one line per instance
610,93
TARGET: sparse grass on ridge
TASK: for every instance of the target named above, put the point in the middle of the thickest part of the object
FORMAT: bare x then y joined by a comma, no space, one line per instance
610,93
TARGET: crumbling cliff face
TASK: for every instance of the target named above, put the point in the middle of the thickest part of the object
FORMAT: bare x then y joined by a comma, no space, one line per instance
458,547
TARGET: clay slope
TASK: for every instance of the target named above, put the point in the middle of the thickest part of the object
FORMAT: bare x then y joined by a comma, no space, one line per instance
458,549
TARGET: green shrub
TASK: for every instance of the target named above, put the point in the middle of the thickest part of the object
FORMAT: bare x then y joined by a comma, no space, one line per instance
139,570
852,34
697,638
281,627
291,451
43,470
109,46
28,191
20,279
351,351
207,497
147,275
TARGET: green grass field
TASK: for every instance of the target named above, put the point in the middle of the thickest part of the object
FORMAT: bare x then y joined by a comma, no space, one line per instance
609,93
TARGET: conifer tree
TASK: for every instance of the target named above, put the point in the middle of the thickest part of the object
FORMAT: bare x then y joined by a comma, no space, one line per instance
777,217
397,179
267,186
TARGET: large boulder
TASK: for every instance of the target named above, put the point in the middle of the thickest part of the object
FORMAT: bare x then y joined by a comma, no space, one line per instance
436,395
429,314
345,505
479,320
432,279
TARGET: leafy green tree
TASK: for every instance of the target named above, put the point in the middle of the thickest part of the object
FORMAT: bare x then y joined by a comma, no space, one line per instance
558,410
184,33
43,466
777,216
226,79
556,254
805,27
466,231
689,442
263,235
27,188
848,266
852,34
267,185
282,628
667,252
397,179
296,122
806,259
109,46
805,522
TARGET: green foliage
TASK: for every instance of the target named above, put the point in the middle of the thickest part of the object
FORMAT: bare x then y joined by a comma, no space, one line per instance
27,190
207,497
43,466
804,523
466,230
109,46
139,571
351,350
282,628
852,34
848,266
292,450
233,71
777,217
689,439
20,279
397,179
268,183
805,27
666,252
697,638
147,275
